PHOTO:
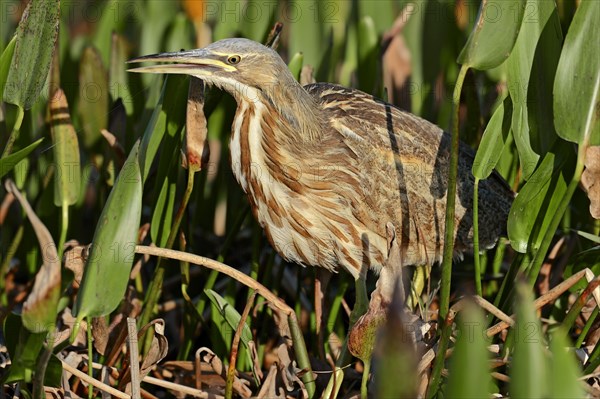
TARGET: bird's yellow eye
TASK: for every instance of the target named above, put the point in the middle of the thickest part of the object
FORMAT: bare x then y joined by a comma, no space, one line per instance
234,59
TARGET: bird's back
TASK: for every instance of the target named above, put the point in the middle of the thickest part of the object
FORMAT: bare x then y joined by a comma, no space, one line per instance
401,163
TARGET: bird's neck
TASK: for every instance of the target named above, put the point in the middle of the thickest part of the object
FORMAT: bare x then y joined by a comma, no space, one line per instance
298,108
272,128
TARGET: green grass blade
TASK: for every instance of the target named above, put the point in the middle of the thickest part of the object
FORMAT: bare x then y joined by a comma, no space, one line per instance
168,118
469,368
295,65
230,315
368,55
8,162
5,61
564,370
528,371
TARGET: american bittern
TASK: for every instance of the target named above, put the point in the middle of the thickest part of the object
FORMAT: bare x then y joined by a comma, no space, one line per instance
326,167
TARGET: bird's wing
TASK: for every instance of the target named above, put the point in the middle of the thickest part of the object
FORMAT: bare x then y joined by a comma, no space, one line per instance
397,148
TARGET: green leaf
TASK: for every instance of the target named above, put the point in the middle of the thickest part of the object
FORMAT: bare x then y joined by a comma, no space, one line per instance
9,162
295,65
54,369
36,39
494,138
310,32
590,259
257,18
530,75
577,84
592,237
162,216
113,18
493,35
181,33
520,130
564,370
368,55
469,366
106,272
117,75
230,315
67,178
94,96
23,347
168,118
168,163
5,61
528,371
535,206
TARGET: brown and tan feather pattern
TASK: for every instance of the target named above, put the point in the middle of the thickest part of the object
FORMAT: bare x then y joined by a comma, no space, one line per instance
326,167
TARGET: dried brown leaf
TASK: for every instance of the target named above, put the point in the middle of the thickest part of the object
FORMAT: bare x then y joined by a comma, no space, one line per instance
197,149
117,148
158,348
269,388
100,334
590,179
75,258
39,310
211,358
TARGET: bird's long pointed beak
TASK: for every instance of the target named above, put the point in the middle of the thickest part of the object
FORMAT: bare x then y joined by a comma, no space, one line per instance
193,62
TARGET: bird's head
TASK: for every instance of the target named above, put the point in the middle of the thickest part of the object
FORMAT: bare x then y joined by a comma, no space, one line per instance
242,67
250,72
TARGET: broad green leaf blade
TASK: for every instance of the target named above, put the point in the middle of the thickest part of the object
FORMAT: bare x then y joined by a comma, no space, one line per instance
469,366
520,130
295,65
577,84
230,314
93,96
23,347
368,55
117,75
36,38
530,75
564,370
493,140
528,370
67,177
113,17
535,206
109,263
40,307
54,370
5,61
9,162
494,34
